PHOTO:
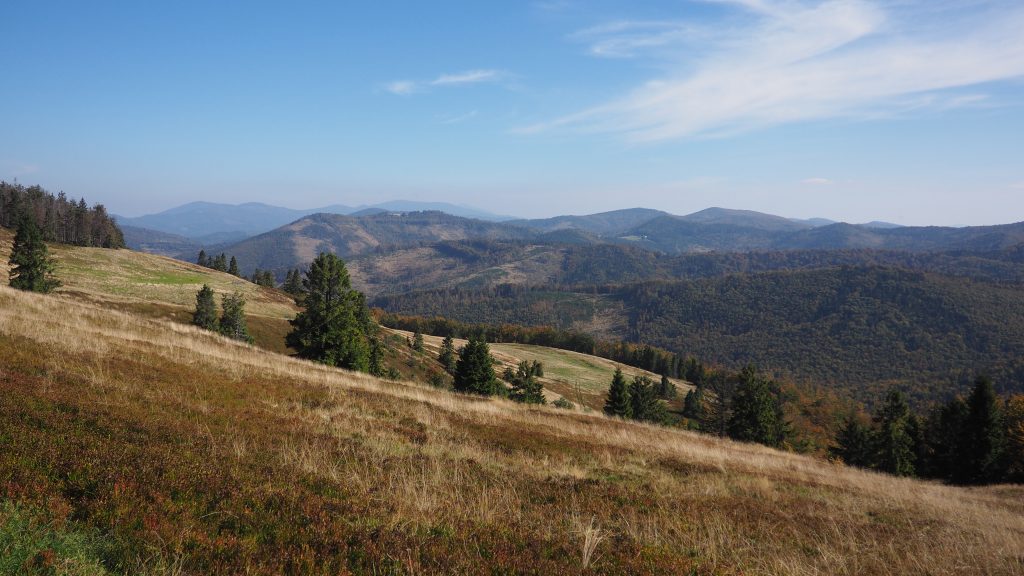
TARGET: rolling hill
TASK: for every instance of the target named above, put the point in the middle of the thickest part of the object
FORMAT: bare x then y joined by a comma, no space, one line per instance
146,446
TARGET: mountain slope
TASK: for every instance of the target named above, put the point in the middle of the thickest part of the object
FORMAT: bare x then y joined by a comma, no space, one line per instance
604,223
299,242
186,452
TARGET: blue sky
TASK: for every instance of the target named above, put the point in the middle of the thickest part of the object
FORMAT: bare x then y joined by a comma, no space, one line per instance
853,110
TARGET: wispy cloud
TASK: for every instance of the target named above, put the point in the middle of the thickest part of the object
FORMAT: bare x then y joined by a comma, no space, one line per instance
406,87
458,118
1018,185
816,181
796,60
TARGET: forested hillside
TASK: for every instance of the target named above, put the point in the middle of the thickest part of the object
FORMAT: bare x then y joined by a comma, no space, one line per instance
855,328
59,218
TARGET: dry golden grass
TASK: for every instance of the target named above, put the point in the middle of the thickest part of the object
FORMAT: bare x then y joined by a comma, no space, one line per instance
425,481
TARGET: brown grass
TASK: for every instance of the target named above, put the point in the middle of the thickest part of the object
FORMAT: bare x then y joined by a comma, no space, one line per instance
187,449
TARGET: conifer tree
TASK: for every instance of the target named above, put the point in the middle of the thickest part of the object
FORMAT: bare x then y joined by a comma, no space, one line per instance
33,268
335,325
693,404
756,411
220,263
375,364
526,388
232,319
944,441
202,260
666,389
293,283
893,446
617,403
983,435
643,401
417,341
205,315
446,356
233,267
853,444
474,370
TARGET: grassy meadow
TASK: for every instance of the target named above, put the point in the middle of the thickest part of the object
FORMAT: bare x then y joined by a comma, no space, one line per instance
140,445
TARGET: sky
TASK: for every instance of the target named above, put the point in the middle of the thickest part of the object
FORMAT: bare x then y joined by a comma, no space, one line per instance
855,110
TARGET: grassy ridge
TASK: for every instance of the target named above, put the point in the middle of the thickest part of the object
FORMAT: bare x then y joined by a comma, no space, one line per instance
191,453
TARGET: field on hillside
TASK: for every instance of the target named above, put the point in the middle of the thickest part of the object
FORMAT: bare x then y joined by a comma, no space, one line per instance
580,378
141,445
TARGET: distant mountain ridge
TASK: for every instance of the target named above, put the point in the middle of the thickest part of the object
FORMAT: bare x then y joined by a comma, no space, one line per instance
202,221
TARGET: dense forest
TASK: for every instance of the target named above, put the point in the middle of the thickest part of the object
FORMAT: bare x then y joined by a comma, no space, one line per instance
59,218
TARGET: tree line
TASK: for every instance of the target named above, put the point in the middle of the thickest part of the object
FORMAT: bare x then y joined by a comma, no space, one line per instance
974,440
58,218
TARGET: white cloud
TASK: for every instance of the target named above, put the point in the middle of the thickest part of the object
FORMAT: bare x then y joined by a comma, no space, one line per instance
406,87
401,87
458,118
816,181
793,61
468,77
1018,185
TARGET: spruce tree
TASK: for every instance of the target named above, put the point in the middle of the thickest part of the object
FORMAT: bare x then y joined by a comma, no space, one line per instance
693,404
446,356
233,267
666,389
984,436
474,370
232,319
293,282
643,401
526,388
944,441
853,444
33,268
617,403
205,315
220,263
756,411
1014,420
417,341
335,324
375,364
202,260
893,447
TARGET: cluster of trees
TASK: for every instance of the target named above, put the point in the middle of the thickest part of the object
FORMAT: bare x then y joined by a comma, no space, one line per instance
293,283
230,322
58,218
263,278
637,401
32,267
977,440
219,263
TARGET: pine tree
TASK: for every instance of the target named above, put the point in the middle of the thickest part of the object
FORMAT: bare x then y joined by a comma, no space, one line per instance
33,268
334,326
375,364
232,319
220,263
474,370
943,438
756,411
293,283
417,341
617,403
984,436
893,447
666,389
447,354
233,267
693,404
526,388
205,315
853,444
643,401
202,260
